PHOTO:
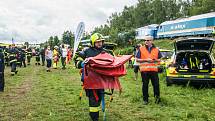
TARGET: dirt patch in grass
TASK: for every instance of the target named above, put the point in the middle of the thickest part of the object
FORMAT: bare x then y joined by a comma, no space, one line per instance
20,91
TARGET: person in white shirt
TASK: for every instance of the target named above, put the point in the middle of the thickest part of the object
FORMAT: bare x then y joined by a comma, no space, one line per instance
63,56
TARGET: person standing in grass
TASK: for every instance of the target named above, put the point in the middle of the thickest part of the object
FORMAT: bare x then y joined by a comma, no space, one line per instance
149,57
1,70
48,56
29,55
56,57
97,42
136,66
63,56
37,56
42,53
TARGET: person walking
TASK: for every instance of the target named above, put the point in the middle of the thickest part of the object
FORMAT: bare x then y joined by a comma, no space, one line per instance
13,52
149,57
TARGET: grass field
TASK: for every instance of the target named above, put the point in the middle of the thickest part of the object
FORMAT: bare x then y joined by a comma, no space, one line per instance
36,95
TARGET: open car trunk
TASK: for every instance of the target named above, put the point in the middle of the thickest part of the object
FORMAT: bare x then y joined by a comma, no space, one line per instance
193,62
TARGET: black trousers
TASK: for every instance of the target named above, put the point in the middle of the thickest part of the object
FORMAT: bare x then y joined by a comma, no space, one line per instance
49,63
37,59
93,103
63,61
1,81
153,76
43,60
29,59
23,62
13,67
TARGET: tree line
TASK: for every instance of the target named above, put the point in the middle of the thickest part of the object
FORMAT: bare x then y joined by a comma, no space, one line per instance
120,26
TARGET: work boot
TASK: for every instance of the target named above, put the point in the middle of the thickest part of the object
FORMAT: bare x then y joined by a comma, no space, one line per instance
157,100
145,101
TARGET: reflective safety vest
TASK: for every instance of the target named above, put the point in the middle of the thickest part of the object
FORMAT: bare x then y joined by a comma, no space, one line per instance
152,65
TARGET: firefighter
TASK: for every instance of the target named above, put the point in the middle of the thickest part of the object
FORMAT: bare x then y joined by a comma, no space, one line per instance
6,59
97,42
12,58
23,56
37,56
1,70
19,57
29,55
42,53
148,55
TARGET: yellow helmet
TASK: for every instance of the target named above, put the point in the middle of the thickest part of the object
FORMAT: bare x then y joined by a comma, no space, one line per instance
95,37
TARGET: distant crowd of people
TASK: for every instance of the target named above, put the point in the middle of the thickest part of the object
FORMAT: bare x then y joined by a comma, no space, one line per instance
14,57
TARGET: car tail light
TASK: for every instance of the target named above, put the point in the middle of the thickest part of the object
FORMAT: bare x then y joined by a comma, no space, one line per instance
172,70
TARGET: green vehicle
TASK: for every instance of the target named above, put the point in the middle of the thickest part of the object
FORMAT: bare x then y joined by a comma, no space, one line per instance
192,62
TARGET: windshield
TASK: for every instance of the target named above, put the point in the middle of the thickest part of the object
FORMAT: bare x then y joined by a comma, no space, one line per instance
166,54
194,44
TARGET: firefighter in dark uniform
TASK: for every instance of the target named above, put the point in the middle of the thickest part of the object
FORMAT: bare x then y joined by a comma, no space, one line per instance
19,58
23,56
29,55
6,58
97,41
12,58
148,55
37,56
42,53
1,70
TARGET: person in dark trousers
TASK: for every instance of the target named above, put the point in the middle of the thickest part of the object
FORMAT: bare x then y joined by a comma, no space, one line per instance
97,41
49,55
12,58
149,57
18,57
136,66
1,70
29,55
42,53
63,56
37,56
6,57
23,56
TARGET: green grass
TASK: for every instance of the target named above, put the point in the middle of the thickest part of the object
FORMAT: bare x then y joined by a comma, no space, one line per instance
35,95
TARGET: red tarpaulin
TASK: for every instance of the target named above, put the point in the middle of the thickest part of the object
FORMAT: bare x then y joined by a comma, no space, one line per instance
103,70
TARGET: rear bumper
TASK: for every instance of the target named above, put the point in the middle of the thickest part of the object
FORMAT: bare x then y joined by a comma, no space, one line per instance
190,80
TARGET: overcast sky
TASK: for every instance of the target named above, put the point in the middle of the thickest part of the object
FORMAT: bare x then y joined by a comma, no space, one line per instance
31,20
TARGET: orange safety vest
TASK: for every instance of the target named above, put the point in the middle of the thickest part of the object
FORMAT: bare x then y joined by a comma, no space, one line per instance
145,54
